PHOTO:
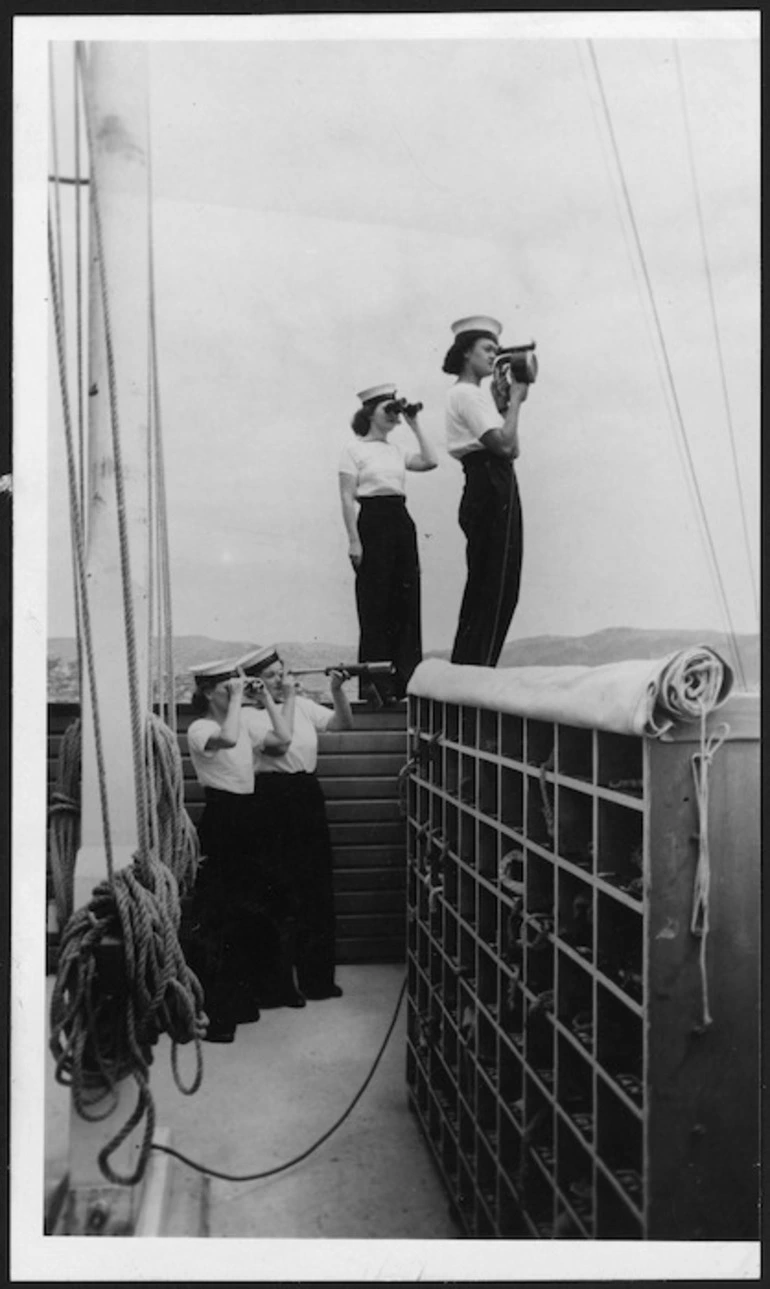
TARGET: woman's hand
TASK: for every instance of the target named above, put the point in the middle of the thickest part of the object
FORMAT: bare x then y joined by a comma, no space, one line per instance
288,685
234,688
519,390
337,678
355,552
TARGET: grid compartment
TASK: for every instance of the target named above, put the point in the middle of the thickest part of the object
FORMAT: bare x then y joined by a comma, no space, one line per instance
536,886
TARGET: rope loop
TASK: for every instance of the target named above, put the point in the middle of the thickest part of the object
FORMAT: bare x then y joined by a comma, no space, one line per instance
699,918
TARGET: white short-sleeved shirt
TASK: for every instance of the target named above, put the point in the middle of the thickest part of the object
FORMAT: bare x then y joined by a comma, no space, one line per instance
379,466
470,412
229,768
309,719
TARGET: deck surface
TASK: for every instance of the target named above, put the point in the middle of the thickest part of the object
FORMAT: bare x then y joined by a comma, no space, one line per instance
267,1097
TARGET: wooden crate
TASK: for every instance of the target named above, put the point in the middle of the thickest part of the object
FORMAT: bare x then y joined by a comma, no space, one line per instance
557,1060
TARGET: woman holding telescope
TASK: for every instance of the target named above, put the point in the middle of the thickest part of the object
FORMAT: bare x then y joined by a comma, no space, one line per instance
290,811
382,540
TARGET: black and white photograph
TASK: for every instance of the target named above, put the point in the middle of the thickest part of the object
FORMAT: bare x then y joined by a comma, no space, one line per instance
386,647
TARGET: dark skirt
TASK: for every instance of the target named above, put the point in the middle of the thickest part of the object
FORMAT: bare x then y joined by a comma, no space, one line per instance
232,930
295,842
388,592
490,517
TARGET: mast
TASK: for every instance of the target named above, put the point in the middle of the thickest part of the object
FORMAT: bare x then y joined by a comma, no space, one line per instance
116,91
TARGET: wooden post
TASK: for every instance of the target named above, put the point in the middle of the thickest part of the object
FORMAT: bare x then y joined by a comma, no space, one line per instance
117,91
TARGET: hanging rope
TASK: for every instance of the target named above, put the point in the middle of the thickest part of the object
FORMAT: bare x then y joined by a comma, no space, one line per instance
699,920
669,372
76,527
102,1029
165,620
100,1037
64,822
715,324
79,344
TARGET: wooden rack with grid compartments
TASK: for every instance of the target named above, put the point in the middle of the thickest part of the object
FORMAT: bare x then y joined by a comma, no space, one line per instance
556,1057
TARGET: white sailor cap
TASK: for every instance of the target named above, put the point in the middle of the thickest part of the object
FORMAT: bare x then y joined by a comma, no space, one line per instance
255,661
477,323
214,672
377,391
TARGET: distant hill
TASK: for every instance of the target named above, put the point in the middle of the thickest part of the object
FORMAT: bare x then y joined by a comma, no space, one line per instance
189,650
610,645
617,643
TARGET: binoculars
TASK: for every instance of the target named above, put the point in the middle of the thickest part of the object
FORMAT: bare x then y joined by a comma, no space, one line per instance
397,405
520,361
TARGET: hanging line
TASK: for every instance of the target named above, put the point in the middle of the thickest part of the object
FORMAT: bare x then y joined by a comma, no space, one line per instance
638,283
76,525
55,156
699,919
715,323
60,293
79,339
165,624
669,372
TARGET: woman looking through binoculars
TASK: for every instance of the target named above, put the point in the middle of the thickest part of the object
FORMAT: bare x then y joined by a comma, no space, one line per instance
483,435
382,537
236,927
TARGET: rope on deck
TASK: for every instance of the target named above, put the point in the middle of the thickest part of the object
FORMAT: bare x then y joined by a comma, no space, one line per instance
101,1030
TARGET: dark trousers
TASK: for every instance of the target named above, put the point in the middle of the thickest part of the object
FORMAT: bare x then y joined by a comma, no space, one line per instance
236,922
388,591
294,838
490,517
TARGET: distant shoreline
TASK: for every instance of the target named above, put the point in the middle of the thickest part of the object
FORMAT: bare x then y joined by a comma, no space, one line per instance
612,644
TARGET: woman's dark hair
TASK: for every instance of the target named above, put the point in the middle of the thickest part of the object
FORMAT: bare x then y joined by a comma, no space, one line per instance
362,417
455,357
200,700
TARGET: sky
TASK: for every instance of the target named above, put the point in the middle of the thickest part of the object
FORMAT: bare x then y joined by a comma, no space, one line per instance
325,208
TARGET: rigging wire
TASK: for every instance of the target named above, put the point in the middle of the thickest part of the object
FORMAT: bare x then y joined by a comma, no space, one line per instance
638,283
55,156
78,549
667,362
59,269
165,624
79,340
715,323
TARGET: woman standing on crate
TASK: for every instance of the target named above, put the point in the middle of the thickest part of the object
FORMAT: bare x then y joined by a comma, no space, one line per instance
483,435
233,932
291,812
382,537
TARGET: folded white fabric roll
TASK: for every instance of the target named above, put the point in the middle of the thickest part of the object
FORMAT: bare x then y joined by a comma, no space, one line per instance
636,696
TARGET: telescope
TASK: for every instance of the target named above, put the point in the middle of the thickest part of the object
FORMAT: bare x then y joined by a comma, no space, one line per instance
350,668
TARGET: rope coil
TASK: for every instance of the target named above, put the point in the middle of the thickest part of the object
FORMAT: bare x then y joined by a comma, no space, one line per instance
101,1033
